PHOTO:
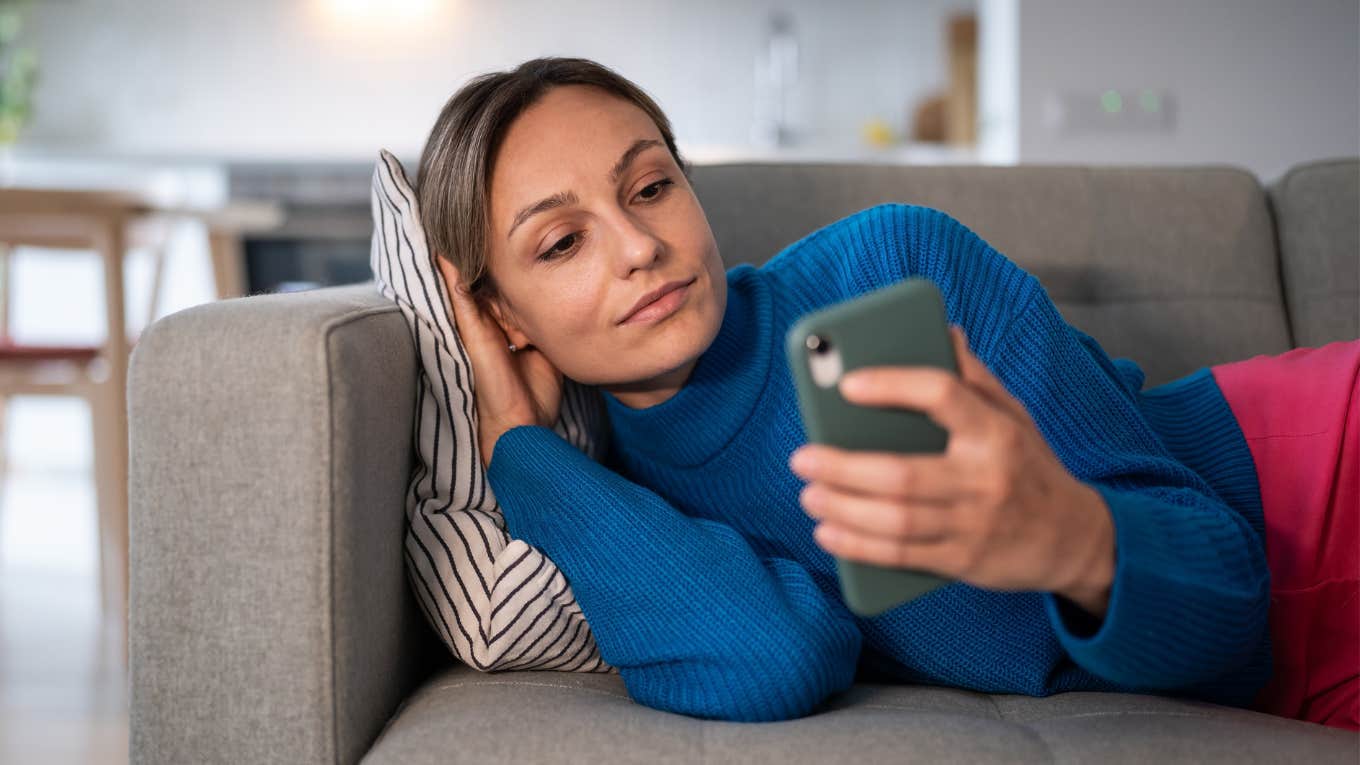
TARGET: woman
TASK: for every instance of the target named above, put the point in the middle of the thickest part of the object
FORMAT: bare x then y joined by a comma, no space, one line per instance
560,208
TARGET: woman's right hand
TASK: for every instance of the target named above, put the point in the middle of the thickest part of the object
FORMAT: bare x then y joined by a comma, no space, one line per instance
511,389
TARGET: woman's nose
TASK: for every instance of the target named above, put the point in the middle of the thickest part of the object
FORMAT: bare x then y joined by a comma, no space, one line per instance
639,245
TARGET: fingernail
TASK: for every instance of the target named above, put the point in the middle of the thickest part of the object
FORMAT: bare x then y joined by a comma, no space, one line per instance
852,385
812,497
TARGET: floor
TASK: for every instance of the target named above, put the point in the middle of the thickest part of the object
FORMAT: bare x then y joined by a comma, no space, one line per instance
63,691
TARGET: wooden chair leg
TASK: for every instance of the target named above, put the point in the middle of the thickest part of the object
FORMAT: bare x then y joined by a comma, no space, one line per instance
108,416
111,440
5,277
4,462
4,453
228,262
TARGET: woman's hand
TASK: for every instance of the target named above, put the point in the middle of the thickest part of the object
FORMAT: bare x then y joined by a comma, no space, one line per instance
511,389
996,509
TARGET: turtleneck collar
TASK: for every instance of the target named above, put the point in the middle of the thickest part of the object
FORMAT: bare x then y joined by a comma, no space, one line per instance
721,392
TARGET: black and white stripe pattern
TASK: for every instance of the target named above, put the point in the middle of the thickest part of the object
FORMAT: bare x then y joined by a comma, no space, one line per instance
496,602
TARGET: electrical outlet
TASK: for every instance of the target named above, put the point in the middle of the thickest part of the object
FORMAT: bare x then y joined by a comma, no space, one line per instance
1142,110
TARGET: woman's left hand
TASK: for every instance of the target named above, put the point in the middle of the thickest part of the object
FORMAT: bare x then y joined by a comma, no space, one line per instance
996,509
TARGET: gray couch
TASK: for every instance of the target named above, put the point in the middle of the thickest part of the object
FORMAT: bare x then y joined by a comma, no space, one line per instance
271,444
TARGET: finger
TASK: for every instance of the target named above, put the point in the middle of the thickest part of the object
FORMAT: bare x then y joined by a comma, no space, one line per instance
545,381
846,542
452,284
449,273
915,522
493,366
473,325
946,398
921,477
974,371
459,299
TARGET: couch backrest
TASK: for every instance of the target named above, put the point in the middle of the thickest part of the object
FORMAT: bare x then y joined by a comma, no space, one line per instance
1175,268
1317,217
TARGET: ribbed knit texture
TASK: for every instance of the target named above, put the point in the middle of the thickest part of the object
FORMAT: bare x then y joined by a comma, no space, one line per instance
695,565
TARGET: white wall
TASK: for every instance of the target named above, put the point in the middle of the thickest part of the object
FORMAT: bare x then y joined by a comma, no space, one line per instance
998,81
307,79
1259,83
131,89
1263,84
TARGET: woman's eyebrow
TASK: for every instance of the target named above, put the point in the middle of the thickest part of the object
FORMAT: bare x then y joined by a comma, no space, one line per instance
564,198
560,199
628,156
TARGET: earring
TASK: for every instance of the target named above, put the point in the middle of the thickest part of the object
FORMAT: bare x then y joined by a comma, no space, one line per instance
513,348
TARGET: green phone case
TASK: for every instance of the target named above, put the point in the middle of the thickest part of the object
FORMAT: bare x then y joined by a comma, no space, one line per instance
900,325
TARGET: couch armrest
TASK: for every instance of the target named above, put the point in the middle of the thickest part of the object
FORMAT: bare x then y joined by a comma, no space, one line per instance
270,618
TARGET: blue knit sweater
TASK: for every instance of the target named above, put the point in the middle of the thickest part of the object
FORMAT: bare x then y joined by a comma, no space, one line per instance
696,568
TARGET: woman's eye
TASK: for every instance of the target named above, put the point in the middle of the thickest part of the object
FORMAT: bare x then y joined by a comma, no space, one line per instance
658,186
557,250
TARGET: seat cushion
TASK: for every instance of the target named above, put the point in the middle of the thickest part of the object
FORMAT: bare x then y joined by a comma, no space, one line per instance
515,717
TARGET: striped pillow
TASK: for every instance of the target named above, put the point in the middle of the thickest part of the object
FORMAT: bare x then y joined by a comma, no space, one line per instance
496,602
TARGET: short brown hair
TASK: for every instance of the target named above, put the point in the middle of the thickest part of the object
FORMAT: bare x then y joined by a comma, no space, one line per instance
456,163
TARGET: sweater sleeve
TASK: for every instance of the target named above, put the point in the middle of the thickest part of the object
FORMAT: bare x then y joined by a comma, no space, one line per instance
1191,588
694,620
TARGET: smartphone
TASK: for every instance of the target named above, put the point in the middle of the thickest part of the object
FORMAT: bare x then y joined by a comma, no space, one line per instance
902,324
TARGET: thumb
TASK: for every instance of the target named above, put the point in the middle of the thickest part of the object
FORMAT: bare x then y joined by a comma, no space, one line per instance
545,382
474,327
976,373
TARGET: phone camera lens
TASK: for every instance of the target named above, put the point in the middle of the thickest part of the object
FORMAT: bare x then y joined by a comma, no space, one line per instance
816,344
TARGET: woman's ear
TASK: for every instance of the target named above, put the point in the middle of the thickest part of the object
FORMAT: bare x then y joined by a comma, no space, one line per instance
507,323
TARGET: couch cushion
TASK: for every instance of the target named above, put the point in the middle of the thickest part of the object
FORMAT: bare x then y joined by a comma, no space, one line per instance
464,715
1317,216
1173,267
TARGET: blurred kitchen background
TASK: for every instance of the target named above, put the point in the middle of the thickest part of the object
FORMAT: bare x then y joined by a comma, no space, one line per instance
237,139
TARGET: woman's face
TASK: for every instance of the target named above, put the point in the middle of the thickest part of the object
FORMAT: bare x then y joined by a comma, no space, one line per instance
589,213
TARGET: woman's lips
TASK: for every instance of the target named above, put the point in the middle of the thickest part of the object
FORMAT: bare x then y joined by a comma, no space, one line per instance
662,307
